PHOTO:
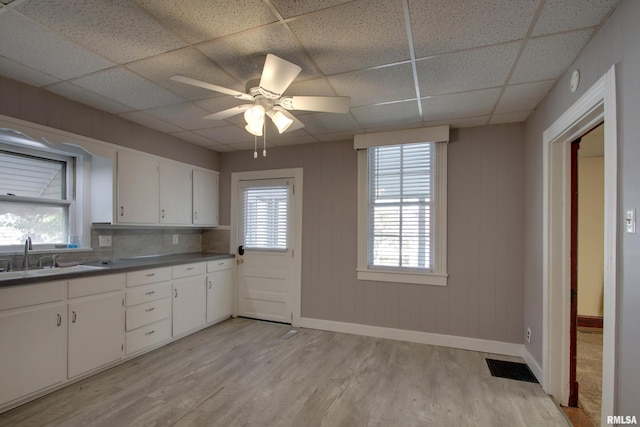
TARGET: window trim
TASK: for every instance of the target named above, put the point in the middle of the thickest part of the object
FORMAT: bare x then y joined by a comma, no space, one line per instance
438,276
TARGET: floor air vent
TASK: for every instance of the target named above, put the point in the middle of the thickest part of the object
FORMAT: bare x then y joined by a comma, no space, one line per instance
289,334
511,370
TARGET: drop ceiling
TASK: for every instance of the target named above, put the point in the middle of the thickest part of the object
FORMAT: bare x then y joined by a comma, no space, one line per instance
404,63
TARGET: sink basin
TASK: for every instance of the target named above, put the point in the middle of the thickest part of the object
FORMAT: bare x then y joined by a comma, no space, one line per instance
47,271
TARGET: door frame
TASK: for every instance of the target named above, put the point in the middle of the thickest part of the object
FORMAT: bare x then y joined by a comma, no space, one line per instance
295,297
597,104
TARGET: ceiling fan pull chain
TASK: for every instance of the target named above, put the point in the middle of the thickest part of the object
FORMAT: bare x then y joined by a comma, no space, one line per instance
264,139
255,147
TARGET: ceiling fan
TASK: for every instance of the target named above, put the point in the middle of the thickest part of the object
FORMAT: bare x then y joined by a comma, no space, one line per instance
267,99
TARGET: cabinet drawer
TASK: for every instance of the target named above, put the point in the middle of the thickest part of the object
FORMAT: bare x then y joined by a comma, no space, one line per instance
147,336
145,314
26,295
147,293
220,264
144,277
94,285
187,270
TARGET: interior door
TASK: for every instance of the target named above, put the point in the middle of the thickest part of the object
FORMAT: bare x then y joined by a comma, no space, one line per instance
265,256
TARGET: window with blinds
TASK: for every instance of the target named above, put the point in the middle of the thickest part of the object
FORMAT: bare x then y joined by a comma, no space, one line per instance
264,217
400,206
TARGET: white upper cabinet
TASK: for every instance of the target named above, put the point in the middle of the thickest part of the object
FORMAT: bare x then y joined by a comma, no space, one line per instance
137,192
175,194
205,197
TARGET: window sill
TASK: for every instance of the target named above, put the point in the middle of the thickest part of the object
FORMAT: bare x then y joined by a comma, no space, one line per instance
434,279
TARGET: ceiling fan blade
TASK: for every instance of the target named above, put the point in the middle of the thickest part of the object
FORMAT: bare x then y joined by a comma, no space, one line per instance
297,124
278,74
327,104
221,115
215,88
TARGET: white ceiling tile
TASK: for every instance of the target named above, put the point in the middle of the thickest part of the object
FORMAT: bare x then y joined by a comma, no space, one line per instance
222,148
201,20
524,97
312,87
516,117
548,57
357,35
150,121
227,134
188,116
86,97
466,122
243,55
32,45
459,105
117,29
338,136
127,88
440,26
25,74
375,85
376,116
194,138
318,123
468,70
188,62
290,8
567,15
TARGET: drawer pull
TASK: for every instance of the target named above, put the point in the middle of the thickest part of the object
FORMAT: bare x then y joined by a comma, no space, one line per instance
74,317
221,263
59,322
150,309
189,268
150,332
150,274
150,293
209,284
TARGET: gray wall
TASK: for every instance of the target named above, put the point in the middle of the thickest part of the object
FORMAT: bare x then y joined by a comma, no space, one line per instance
616,42
484,298
36,105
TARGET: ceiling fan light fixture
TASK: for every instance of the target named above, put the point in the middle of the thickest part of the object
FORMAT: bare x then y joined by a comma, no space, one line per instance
255,128
254,115
281,121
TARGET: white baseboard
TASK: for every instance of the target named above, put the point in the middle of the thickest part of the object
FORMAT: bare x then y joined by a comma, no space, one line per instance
463,343
533,365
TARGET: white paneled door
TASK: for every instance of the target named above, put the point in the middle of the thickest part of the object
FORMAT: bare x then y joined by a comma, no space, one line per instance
267,228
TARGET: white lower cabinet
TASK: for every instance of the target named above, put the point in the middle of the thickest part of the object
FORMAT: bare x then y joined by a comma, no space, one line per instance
96,323
189,298
220,289
33,333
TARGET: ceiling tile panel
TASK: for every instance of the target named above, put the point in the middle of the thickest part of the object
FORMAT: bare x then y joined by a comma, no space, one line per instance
523,97
459,105
378,116
440,26
188,62
290,8
25,74
357,35
117,29
194,138
313,87
548,57
201,20
243,55
127,88
519,116
467,122
32,45
188,116
227,134
319,123
468,70
375,85
86,97
145,119
567,15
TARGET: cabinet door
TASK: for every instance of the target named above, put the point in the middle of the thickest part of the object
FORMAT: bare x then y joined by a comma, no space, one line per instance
96,333
205,197
33,350
189,304
137,188
219,295
175,194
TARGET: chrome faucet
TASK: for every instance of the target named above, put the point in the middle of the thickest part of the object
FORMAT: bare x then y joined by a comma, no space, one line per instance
27,247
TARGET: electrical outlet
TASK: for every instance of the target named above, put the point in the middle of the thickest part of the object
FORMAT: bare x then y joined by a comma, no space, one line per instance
175,239
529,335
104,241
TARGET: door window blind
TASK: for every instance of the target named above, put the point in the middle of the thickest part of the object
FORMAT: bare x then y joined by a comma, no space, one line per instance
264,217
400,206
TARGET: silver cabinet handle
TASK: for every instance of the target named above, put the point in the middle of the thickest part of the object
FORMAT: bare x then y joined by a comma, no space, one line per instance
150,293
150,309
74,317
176,293
209,284
59,321
121,210
162,213
150,274
195,214
150,333
221,263
189,268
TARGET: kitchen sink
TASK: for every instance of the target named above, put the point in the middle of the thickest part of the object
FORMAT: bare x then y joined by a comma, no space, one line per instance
18,274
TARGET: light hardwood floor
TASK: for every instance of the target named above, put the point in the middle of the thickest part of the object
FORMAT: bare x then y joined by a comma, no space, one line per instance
240,373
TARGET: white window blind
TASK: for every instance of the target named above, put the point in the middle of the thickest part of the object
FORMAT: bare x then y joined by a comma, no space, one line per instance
400,206
264,217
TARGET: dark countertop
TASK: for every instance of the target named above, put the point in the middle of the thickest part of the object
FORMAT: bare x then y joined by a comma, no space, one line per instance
119,265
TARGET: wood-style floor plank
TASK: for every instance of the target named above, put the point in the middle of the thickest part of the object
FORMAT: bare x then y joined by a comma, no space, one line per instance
240,373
